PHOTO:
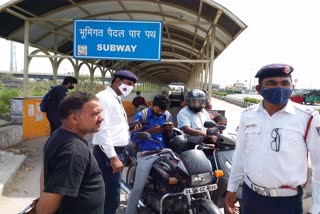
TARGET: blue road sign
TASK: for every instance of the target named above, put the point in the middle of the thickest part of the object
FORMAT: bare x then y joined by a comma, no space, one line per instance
117,40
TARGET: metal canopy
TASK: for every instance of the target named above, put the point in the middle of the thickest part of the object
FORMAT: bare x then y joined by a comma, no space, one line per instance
188,25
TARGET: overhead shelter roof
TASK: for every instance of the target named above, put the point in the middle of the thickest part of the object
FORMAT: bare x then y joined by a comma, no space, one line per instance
187,24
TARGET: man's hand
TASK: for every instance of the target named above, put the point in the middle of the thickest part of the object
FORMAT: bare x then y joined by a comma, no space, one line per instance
137,127
116,164
155,129
229,201
212,138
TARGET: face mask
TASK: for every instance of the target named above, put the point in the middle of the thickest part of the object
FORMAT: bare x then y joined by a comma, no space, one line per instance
276,96
155,113
222,127
71,87
125,89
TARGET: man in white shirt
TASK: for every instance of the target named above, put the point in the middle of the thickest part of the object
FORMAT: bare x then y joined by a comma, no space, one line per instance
273,140
191,118
113,136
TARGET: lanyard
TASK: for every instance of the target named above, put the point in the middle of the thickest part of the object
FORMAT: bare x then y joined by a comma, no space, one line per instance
122,108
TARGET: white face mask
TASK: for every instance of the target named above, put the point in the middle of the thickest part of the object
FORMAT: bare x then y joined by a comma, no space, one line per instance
125,89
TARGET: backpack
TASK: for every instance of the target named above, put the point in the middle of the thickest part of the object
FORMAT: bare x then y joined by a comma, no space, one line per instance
45,100
145,114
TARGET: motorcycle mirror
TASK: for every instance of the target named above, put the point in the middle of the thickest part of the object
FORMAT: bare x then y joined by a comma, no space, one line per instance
146,136
226,140
177,131
209,124
142,135
212,131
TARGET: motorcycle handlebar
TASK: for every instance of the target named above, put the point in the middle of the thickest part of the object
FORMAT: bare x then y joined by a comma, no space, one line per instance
158,152
205,146
151,152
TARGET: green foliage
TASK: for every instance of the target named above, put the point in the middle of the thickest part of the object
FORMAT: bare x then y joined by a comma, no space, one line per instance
251,100
220,93
7,78
84,84
39,88
6,94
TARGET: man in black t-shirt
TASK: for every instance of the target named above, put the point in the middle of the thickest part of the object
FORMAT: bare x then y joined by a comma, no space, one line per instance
72,180
56,96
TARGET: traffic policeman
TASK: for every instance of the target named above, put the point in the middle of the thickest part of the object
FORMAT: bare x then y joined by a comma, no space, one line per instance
274,138
113,136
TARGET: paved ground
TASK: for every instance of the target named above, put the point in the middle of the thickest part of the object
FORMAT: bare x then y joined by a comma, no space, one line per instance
25,185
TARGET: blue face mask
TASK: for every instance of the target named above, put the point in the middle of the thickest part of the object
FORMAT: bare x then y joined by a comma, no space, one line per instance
276,96
222,127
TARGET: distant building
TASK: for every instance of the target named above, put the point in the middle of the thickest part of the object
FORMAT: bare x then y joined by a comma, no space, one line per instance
215,87
238,88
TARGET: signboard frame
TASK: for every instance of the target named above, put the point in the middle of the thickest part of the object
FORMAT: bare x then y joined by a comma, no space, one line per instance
133,40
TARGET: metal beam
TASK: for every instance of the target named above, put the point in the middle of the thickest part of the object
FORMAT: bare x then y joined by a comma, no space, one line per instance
186,60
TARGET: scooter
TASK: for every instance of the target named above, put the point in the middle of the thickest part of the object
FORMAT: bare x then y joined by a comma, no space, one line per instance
176,184
222,157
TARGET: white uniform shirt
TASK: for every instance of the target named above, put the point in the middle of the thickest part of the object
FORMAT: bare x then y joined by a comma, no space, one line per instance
255,158
186,117
114,130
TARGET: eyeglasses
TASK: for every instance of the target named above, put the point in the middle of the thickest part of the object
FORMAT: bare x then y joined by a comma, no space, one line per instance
275,143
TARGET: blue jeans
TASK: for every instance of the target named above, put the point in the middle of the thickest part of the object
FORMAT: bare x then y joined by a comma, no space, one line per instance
111,181
142,172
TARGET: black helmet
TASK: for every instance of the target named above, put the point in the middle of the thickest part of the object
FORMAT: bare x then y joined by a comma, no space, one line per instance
196,100
179,144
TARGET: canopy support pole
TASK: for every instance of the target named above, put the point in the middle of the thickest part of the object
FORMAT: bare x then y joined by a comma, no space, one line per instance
26,58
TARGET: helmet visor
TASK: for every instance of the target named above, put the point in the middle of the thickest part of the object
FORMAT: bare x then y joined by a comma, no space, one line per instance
196,102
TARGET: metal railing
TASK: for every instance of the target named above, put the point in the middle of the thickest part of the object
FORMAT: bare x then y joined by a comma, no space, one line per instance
235,101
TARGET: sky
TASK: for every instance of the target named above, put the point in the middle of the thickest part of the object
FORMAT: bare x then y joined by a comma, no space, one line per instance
279,31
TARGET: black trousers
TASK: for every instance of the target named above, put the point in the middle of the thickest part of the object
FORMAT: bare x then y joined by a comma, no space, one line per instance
254,203
54,121
111,180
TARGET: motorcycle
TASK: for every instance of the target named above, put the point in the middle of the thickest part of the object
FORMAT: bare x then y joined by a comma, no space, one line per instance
176,184
222,159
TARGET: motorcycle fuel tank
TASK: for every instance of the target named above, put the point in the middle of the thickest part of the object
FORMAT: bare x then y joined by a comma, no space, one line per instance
195,162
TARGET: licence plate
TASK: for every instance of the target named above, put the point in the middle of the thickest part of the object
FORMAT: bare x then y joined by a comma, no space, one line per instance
195,190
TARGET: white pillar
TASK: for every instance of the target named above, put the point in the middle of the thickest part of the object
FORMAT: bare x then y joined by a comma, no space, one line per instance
55,60
26,58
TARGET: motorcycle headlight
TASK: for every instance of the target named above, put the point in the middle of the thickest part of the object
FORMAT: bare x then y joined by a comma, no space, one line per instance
201,179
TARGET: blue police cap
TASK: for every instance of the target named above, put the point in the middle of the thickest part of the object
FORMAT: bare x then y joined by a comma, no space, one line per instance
274,70
124,74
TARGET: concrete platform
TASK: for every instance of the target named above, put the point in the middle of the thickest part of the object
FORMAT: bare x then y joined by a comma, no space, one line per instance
4,123
10,135
9,166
